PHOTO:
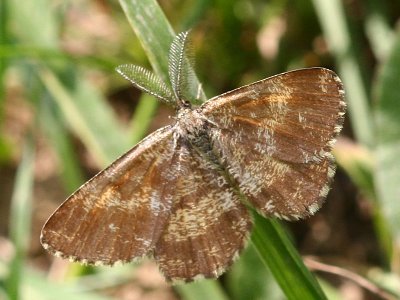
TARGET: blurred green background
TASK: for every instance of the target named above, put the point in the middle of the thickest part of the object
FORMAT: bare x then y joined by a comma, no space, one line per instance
65,114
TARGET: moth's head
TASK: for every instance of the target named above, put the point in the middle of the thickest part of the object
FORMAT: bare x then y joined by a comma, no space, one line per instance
183,104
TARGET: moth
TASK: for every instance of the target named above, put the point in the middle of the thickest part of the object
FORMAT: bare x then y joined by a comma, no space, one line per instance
180,195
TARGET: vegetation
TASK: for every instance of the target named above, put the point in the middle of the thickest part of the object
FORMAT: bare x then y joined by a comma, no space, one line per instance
65,113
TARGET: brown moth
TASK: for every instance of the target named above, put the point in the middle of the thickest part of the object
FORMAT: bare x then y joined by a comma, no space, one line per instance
177,195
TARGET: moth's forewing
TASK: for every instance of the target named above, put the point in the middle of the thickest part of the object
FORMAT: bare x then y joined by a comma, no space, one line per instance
275,137
120,213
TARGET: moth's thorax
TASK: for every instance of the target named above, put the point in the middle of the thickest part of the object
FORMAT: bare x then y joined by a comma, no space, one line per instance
190,122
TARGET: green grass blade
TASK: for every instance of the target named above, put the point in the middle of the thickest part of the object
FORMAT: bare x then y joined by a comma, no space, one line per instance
37,287
50,55
250,279
388,147
378,30
278,253
37,23
57,136
142,117
20,219
358,162
3,62
200,290
332,18
89,117
153,30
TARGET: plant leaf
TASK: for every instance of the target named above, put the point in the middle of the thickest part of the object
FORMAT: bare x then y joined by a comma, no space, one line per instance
278,253
388,140
20,218
199,290
332,18
86,112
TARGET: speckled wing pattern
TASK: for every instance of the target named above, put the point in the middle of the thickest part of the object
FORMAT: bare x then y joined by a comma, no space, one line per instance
177,195
208,225
120,213
275,138
162,198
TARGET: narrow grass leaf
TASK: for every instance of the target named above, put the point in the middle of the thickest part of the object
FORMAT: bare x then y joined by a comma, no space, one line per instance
200,290
388,147
41,53
37,22
57,137
3,62
250,279
332,18
142,117
37,287
20,219
153,30
359,164
378,30
278,253
89,117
